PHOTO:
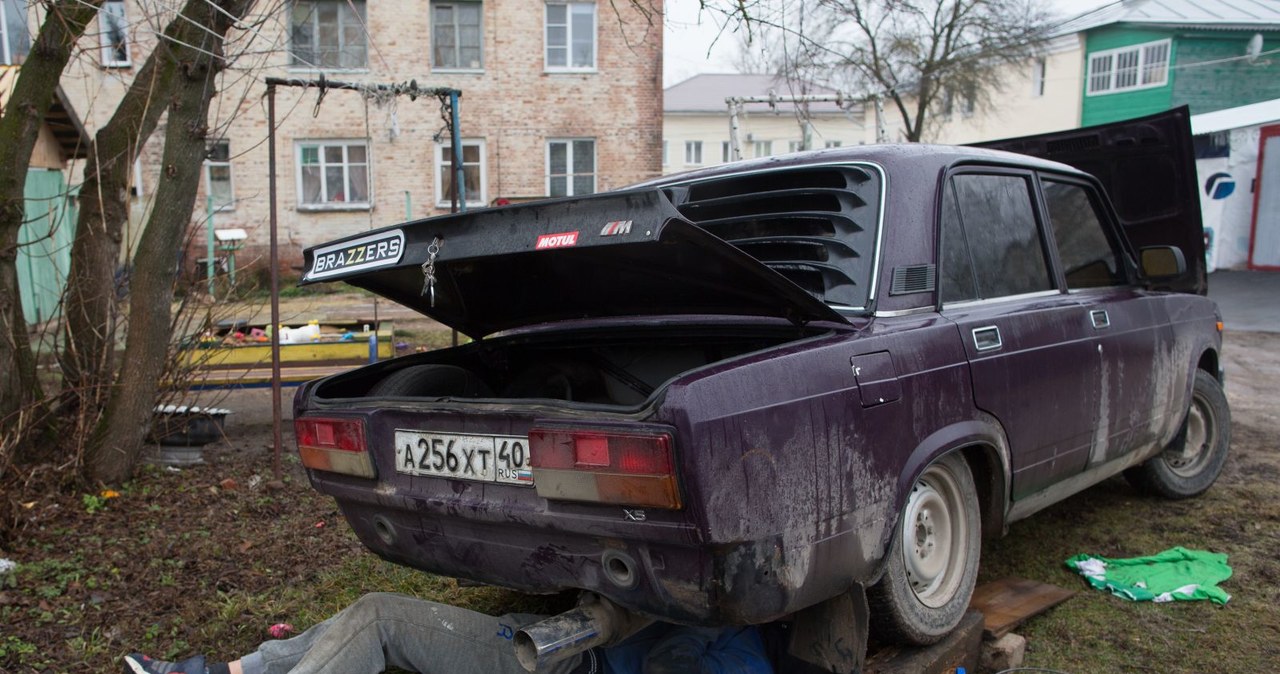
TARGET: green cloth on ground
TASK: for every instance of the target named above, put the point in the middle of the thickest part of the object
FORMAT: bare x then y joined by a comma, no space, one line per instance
1175,574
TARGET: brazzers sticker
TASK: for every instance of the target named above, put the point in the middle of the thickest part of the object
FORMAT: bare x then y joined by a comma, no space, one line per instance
376,250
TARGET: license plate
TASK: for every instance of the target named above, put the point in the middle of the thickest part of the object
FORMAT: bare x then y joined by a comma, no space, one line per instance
483,458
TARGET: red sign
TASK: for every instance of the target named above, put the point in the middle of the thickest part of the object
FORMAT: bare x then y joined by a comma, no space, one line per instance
560,240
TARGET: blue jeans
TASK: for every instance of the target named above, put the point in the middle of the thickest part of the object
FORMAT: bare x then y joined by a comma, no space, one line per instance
382,630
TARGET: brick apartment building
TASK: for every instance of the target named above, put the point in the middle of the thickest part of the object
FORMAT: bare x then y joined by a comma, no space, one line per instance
558,98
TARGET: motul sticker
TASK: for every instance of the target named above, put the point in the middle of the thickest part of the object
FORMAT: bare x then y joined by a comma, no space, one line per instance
561,240
616,227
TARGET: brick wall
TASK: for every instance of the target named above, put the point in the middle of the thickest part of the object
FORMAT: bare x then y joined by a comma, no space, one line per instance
514,105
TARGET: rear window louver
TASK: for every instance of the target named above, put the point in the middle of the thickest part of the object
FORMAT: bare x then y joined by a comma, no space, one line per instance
815,226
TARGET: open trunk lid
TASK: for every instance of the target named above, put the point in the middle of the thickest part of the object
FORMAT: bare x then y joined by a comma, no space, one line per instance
614,254
1148,168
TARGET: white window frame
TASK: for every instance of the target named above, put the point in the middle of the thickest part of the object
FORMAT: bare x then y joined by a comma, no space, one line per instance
693,153
325,204
313,67
726,152
833,143
569,175
458,37
1039,71
444,162
209,164
795,145
761,148
568,67
106,48
7,40
1142,66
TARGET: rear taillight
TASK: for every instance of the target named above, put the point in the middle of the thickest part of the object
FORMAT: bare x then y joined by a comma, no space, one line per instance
336,445
623,468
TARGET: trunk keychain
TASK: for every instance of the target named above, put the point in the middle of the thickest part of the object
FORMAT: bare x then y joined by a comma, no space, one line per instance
429,270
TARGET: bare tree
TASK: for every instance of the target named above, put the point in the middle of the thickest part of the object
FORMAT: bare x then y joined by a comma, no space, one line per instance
912,53
24,113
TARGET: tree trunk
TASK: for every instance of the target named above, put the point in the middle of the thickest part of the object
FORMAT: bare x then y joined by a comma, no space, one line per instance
89,301
117,445
24,113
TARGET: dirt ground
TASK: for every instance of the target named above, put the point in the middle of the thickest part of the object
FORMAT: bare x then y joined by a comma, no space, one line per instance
203,559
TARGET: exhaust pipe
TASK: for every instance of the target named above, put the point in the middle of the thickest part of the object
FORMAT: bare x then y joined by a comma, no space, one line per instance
594,622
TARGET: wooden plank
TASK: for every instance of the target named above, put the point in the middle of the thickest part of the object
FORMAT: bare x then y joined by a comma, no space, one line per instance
1008,602
961,648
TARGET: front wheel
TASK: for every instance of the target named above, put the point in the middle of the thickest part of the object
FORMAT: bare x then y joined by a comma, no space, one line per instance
1192,462
933,559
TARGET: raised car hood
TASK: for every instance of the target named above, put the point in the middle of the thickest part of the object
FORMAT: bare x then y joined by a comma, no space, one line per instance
1148,168
608,255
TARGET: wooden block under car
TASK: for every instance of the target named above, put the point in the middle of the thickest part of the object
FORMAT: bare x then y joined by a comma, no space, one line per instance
961,648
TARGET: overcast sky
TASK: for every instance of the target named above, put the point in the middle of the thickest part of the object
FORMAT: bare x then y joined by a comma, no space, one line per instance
691,46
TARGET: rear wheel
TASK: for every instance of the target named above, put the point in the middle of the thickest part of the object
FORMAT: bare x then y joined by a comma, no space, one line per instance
933,560
1192,462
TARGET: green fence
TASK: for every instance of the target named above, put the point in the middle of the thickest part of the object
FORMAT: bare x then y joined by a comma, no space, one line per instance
44,253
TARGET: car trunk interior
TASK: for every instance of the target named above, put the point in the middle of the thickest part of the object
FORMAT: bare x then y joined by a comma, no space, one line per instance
617,368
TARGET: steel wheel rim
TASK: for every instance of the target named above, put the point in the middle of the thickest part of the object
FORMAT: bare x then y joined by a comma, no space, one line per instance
1196,450
934,532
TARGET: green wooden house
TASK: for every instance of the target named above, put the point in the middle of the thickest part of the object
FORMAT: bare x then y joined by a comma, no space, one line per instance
1144,56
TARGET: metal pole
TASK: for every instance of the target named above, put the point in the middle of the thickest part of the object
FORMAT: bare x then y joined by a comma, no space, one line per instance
459,175
208,227
275,283
735,146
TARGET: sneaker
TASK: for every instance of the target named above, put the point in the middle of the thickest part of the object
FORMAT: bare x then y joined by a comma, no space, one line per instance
137,663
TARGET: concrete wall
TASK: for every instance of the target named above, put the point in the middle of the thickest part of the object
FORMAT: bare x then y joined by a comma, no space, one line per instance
514,105
712,129
1020,108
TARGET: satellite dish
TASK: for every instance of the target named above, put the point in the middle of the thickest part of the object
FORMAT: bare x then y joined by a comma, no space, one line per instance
1254,47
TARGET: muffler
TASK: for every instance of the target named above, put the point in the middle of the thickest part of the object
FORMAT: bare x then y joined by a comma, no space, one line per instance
594,622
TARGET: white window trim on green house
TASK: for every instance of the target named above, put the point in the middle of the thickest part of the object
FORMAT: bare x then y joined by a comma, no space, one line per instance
1145,66
351,172
474,173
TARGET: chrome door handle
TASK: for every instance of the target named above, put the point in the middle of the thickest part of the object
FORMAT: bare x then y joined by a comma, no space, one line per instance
1100,318
987,338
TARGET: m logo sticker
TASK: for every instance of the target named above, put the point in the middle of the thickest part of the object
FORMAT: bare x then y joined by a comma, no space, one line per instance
616,228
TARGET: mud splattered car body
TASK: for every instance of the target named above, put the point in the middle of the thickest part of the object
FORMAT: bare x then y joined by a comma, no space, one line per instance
710,398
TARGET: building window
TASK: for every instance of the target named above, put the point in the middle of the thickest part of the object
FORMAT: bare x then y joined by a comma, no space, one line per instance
761,148
665,156
571,167
15,38
726,151
833,143
333,174
217,176
795,145
571,36
473,174
328,34
693,152
113,35
1129,68
1038,69
456,36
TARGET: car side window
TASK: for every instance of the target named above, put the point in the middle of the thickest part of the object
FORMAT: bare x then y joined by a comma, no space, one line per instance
1089,257
999,224
958,283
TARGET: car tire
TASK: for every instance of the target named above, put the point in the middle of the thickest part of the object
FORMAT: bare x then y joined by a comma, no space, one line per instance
1191,463
932,563
432,381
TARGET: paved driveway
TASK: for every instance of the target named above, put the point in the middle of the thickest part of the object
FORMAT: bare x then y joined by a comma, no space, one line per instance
1250,300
